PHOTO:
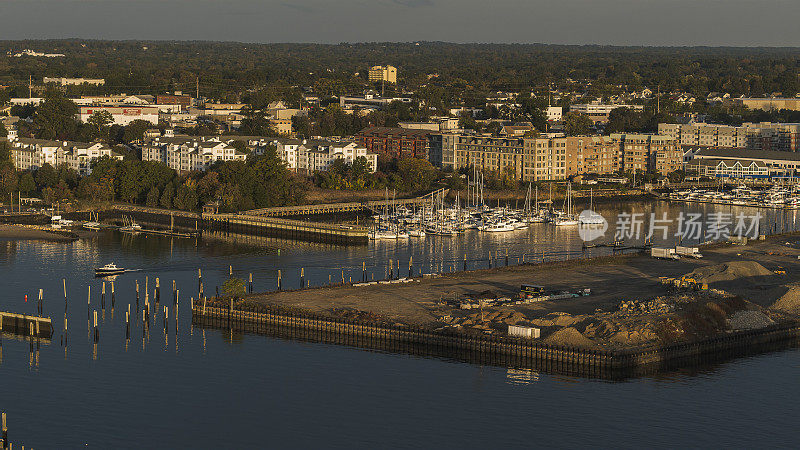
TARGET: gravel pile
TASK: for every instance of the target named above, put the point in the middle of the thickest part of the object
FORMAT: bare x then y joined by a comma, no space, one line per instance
749,320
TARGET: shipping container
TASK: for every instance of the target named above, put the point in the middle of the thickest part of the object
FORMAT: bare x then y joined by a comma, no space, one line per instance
665,253
525,332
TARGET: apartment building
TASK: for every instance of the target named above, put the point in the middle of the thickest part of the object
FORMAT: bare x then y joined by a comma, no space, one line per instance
31,154
601,154
383,73
752,136
189,153
599,112
396,142
557,157
311,155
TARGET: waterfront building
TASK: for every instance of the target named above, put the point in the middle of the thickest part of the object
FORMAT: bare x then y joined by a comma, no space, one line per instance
751,136
190,153
312,155
396,142
31,154
738,163
383,73
557,157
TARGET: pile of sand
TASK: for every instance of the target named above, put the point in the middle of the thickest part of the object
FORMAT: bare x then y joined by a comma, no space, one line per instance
570,337
557,319
729,271
790,301
749,320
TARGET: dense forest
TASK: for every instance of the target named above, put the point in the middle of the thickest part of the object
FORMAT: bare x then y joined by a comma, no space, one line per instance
444,74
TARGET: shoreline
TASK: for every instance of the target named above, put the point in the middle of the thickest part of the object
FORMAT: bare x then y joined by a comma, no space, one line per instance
637,315
15,232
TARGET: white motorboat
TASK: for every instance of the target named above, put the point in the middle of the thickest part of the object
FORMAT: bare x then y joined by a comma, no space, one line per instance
108,269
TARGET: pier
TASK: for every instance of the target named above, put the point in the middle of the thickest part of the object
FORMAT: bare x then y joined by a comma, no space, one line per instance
348,207
286,228
25,325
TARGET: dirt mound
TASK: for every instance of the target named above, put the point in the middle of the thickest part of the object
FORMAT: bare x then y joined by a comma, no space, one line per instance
729,271
556,319
570,337
789,302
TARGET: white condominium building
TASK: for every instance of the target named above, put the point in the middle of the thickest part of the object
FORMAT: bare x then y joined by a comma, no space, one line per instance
31,154
188,153
317,155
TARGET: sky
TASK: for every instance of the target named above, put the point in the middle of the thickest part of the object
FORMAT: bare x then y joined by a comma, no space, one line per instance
606,22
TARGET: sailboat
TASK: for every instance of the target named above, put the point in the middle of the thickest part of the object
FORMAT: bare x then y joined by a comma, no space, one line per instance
592,218
93,223
567,219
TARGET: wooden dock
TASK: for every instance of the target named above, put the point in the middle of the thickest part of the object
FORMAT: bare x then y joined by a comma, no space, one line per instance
286,228
25,325
348,207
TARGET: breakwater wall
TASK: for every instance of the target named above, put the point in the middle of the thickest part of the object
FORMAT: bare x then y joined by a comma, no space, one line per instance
494,349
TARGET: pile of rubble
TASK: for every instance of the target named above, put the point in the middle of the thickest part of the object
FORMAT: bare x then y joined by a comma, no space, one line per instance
654,306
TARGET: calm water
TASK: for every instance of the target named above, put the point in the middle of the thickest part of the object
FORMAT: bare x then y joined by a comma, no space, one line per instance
211,389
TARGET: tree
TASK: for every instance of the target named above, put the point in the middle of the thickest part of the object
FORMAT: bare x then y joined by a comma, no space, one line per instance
8,178
416,174
233,287
167,196
26,183
185,198
152,197
55,117
576,124
46,176
100,121
255,123
134,131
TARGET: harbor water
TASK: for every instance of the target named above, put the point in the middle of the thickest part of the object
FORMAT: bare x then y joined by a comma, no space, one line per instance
188,387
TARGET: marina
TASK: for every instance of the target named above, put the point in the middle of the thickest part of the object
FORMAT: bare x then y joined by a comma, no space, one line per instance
125,348
772,197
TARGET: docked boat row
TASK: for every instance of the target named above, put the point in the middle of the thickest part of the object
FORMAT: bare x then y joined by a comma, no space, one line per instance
440,219
785,197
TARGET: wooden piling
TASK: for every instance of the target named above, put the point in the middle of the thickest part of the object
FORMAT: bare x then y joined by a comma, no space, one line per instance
250,283
137,296
103,296
279,279
113,296
158,290
465,262
96,332
199,283
411,267
302,277
89,304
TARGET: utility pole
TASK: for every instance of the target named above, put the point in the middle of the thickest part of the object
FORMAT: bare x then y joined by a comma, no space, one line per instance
658,100
30,86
